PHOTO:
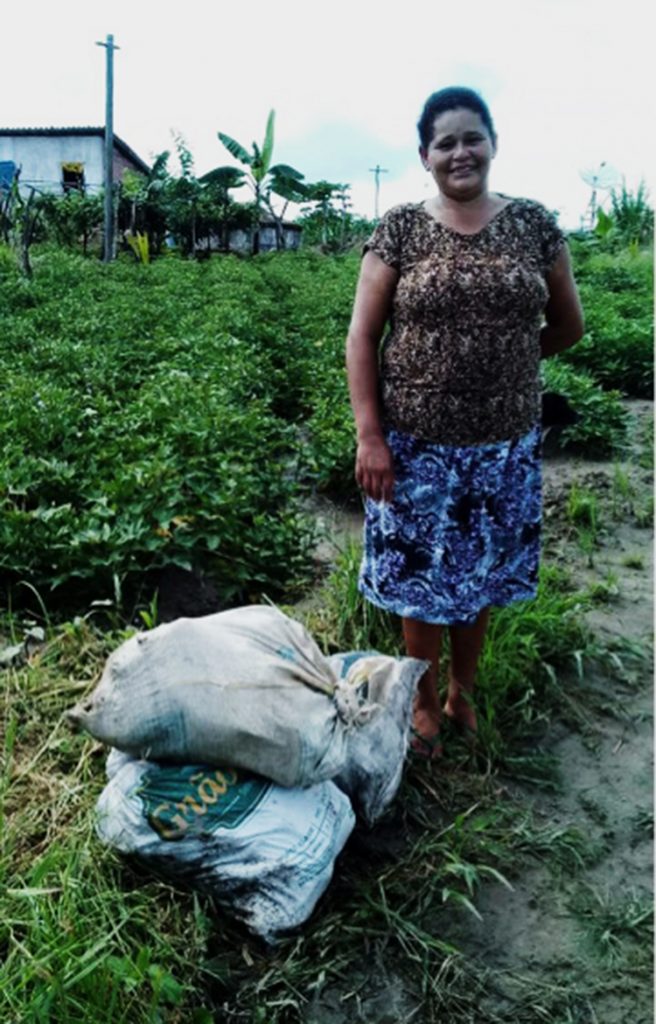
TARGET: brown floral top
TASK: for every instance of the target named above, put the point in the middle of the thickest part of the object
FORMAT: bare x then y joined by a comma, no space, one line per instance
460,363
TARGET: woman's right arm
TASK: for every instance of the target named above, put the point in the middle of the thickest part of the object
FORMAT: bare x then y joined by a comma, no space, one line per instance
374,467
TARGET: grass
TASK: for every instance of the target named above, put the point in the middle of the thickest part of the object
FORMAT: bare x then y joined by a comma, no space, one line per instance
622,492
86,936
644,516
618,926
646,457
583,514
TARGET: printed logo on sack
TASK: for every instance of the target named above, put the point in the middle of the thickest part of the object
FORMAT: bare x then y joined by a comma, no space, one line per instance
180,801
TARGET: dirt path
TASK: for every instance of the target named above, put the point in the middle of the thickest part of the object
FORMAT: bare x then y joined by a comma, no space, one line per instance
572,931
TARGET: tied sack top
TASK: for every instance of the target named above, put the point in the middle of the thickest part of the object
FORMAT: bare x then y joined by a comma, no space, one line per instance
460,362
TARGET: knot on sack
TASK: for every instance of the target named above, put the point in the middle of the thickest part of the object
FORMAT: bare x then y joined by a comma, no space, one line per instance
352,706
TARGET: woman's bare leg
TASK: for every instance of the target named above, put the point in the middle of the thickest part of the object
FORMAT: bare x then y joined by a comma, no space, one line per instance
424,640
466,646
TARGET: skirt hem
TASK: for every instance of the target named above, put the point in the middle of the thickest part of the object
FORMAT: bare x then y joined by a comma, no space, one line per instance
405,612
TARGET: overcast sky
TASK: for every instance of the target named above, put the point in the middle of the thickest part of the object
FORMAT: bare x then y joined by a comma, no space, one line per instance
569,83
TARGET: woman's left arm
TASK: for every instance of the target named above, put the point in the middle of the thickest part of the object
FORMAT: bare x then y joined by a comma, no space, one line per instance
563,312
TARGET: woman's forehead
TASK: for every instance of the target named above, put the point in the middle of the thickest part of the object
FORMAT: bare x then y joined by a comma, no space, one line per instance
455,121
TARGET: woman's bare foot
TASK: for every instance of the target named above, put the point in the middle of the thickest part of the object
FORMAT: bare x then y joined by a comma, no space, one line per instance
460,711
426,741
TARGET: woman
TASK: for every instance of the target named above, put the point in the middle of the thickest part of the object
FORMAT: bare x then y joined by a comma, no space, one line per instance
477,287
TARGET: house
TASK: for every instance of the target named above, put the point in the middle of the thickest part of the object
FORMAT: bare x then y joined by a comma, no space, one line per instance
241,240
61,159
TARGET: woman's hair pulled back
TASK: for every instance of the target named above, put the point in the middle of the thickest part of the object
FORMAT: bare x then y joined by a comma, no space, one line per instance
452,98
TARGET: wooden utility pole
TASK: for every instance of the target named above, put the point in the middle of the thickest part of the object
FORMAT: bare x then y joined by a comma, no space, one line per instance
108,248
377,171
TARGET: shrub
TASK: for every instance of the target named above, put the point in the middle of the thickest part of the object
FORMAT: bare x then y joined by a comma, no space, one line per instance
603,426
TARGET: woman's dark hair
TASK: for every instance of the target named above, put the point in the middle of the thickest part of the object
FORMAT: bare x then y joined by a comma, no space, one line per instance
453,98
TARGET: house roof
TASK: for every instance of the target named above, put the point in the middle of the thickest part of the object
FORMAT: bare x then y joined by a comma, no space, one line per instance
122,147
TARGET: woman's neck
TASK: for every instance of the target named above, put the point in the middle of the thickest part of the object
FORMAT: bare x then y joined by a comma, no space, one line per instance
477,204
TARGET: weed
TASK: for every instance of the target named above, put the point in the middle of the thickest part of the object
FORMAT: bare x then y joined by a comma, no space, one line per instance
622,492
643,823
593,809
633,561
583,513
343,620
646,457
644,517
606,590
617,927
583,508
149,615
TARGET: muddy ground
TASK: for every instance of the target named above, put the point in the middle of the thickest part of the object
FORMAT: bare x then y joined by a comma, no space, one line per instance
564,938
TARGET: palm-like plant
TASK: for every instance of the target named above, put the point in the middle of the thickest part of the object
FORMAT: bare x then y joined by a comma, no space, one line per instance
632,215
264,179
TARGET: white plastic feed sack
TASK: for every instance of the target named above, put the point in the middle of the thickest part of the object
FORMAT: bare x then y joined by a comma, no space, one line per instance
250,688
264,852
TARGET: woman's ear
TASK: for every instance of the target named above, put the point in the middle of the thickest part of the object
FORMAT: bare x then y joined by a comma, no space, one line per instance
495,145
423,156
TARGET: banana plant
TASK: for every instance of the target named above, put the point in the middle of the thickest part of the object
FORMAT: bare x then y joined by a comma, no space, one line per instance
264,179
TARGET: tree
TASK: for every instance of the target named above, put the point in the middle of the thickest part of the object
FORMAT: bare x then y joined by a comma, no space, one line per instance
220,211
328,222
143,203
72,217
266,180
19,218
322,195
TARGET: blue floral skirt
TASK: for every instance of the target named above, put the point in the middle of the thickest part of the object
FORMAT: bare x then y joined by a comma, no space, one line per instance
461,533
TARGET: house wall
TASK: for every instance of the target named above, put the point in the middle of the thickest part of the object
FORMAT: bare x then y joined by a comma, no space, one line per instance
242,241
121,164
41,156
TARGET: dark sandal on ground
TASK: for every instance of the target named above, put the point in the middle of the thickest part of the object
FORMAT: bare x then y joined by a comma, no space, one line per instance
425,748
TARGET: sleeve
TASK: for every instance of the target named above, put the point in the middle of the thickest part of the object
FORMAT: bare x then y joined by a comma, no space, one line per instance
387,238
552,239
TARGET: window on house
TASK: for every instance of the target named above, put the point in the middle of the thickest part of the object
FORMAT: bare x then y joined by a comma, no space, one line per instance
7,172
73,177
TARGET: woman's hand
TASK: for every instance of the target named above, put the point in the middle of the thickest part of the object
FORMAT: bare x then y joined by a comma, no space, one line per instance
374,468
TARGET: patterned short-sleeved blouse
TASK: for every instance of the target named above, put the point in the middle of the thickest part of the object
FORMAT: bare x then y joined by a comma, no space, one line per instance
460,363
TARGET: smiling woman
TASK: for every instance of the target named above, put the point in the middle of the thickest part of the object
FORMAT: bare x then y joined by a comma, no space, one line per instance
448,415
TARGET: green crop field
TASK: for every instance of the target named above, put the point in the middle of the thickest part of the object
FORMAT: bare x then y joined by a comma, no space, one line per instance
176,413
189,413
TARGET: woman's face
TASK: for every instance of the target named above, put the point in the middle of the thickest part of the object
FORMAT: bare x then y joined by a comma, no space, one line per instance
459,154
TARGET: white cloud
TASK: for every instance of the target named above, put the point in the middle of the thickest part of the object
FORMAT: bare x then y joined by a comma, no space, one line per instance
569,81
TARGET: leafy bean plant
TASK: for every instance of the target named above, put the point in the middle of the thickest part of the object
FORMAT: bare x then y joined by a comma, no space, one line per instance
617,295
138,430
177,412
603,425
